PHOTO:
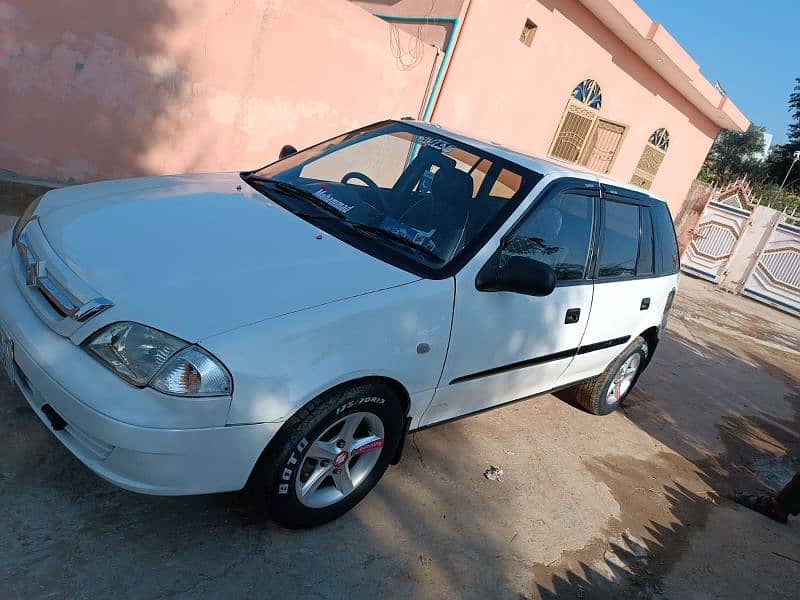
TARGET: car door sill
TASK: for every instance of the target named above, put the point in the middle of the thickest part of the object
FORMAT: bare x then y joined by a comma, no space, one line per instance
488,408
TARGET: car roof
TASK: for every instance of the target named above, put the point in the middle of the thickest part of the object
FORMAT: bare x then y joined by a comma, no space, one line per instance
545,166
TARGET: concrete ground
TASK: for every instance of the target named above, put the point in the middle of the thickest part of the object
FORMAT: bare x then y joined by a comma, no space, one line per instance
629,505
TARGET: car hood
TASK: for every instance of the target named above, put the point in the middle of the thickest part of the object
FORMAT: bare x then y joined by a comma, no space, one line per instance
196,255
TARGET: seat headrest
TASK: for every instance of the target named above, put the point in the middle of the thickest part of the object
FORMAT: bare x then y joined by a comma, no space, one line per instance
451,184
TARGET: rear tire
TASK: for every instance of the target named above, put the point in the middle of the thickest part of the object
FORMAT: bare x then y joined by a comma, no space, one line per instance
329,455
606,392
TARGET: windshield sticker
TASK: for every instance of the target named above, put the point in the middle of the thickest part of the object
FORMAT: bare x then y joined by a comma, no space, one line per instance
412,234
437,144
328,199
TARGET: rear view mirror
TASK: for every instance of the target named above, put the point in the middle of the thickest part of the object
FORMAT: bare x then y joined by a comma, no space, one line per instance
287,150
518,274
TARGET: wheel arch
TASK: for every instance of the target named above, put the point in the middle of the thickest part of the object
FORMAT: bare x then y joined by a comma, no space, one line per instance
650,335
397,387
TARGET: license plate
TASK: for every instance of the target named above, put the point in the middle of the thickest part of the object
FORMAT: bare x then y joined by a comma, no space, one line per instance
7,354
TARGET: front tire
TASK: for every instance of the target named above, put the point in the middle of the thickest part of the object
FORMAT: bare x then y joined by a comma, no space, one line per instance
606,392
330,455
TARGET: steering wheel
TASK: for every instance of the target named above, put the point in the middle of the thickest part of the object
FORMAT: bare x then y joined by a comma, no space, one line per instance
372,186
361,177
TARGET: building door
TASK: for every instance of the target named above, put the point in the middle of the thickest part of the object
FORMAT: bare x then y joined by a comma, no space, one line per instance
604,143
577,123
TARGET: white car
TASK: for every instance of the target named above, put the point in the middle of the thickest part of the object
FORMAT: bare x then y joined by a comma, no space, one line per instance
286,327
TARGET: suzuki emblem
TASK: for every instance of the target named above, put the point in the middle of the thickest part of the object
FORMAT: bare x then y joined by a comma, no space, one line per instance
34,273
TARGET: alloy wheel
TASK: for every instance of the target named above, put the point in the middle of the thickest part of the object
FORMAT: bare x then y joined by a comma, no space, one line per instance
623,380
340,459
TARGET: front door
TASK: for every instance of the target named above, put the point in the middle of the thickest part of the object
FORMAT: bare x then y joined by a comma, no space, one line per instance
505,346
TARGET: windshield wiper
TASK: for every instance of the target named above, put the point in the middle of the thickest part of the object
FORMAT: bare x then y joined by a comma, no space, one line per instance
298,192
396,237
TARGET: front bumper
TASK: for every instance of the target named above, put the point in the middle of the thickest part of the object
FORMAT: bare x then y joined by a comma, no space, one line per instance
173,460
140,459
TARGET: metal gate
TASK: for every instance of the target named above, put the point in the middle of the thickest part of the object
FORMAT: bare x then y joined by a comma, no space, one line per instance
776,276
747,248
715,238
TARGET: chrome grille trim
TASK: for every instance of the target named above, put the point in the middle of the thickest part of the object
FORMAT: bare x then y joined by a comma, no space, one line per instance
36,276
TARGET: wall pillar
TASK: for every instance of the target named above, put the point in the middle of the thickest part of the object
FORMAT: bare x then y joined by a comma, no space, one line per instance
748,249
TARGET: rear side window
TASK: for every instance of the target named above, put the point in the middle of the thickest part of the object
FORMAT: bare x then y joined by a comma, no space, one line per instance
645,264
667,261
619,248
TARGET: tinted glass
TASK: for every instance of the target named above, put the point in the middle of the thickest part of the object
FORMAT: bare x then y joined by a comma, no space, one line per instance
666,244
620,240
505,184
558,232
645,264
380,158
397,190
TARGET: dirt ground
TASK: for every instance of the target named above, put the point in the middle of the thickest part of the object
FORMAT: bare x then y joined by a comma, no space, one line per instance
630,505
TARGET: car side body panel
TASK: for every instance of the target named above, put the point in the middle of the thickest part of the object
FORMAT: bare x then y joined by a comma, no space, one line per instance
505,345
616,315
280,364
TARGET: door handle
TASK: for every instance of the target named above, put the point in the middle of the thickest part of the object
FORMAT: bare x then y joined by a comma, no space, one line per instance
573,316
645,304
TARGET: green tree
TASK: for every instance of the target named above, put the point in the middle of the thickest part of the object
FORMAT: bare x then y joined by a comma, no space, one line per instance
733,154
781,156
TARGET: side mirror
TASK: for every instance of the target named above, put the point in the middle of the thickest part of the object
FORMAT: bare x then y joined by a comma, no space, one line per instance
287,150
518,274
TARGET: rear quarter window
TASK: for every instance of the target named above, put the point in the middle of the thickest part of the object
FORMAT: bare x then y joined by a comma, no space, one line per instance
667,261
644,266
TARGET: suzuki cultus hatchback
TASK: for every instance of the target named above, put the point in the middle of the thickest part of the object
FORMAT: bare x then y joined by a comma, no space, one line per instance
287,327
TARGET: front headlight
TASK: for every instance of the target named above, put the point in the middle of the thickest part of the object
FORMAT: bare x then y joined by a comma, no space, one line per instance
26,218
144,356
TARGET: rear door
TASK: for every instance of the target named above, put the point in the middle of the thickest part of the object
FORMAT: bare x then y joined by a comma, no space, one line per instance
626,290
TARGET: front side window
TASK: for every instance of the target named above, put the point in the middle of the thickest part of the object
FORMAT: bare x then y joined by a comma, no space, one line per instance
619,246
413,198
558,232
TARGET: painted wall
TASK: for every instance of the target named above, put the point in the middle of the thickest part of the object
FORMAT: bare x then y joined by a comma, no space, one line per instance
430,33
500,89
92,89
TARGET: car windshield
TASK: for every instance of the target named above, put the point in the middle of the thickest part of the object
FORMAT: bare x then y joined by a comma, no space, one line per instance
417,199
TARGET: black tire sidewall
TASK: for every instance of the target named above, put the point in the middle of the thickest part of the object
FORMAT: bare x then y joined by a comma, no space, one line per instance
638,346
283,466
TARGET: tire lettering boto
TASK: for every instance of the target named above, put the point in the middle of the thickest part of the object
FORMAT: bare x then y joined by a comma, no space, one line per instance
288,470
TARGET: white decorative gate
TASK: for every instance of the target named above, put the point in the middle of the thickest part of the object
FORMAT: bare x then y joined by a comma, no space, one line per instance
776,276
747,248
715,237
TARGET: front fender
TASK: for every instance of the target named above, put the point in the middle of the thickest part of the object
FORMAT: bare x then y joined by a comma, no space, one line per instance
278,365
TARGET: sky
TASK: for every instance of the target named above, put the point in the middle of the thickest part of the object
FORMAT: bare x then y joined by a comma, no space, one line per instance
752,48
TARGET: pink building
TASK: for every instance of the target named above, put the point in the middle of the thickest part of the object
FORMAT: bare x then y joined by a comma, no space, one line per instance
593,82
103,89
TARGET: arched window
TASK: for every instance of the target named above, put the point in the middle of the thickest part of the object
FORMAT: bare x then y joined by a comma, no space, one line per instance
582,136
652,156
589,93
